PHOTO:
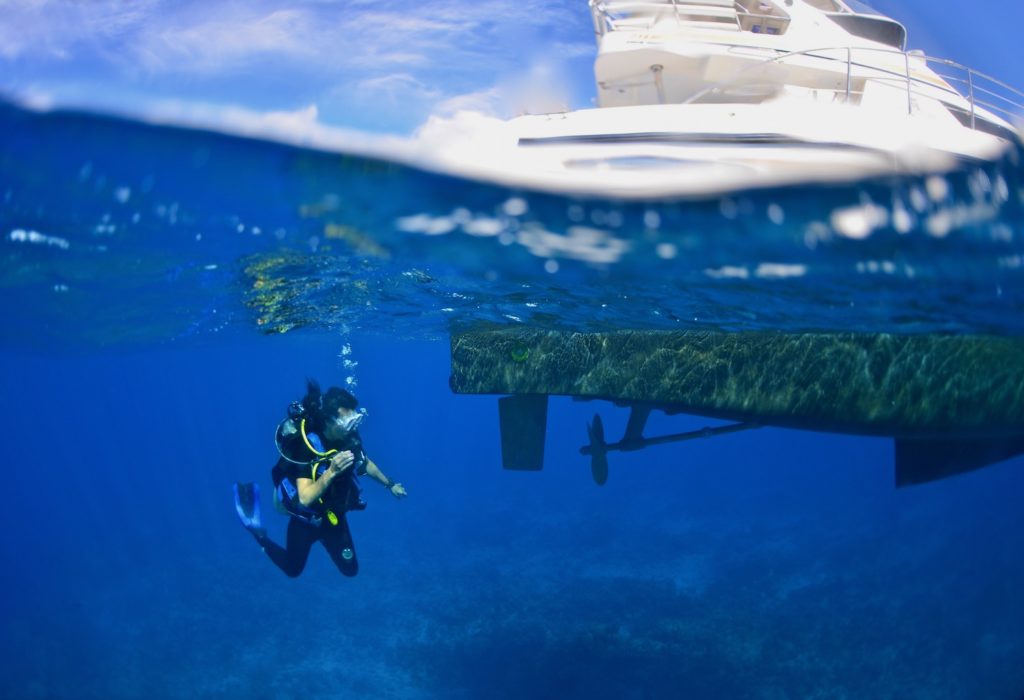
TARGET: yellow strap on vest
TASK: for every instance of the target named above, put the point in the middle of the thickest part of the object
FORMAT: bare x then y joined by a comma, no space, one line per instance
302,430
316,463
312,471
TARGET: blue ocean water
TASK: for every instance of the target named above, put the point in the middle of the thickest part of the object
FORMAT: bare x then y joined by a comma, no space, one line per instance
166,293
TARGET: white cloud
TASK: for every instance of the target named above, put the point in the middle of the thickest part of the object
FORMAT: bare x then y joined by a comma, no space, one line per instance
541,88
35,99
183,37
395,89
371,56
488,101
573,49
213,44
51,29
300,127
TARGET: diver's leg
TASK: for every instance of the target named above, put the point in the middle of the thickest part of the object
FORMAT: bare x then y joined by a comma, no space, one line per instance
292,559
337,541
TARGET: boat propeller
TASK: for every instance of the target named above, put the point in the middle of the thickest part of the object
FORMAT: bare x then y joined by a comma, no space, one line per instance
598,449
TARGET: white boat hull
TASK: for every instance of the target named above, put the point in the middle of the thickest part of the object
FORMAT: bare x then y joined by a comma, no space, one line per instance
703,149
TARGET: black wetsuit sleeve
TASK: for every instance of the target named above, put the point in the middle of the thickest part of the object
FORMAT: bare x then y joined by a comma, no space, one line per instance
297,471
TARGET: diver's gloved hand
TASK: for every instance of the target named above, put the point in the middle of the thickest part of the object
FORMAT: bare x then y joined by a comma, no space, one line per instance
397,490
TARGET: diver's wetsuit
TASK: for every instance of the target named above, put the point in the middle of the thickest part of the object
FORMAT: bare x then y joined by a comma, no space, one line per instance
341,496
291,559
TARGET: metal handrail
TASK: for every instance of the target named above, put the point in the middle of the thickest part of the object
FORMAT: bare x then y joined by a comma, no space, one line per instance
1004,100
972,86
973,77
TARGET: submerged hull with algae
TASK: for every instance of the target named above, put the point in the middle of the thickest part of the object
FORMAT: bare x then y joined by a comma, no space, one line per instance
912,386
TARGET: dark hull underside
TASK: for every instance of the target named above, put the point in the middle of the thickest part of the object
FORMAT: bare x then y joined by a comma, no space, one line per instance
953,403
872,384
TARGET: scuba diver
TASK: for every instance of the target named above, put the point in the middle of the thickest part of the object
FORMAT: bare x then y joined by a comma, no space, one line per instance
315,480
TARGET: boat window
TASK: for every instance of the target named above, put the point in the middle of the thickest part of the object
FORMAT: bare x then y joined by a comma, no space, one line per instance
973,121
862,8
826,5
630,163
845,6
872,27
761,17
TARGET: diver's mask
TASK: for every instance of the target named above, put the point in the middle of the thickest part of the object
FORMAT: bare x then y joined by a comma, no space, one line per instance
350,422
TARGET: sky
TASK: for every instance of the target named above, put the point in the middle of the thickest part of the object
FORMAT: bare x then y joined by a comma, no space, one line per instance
380,66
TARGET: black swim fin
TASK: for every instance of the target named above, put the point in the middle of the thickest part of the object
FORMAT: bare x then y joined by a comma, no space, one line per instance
247,505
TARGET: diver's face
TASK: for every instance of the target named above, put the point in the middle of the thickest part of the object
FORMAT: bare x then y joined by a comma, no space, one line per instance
335,428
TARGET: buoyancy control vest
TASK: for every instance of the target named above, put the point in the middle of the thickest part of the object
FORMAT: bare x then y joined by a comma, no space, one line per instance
305,450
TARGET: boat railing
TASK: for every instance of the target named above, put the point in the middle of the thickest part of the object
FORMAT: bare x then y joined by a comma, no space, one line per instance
978,90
